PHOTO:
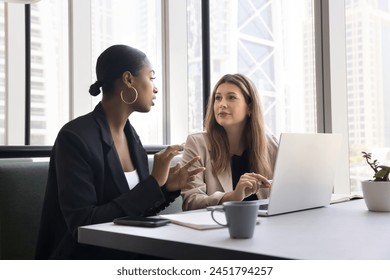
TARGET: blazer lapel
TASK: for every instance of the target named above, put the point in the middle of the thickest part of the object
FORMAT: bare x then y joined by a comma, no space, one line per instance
112,158
117,173
137,151
225,179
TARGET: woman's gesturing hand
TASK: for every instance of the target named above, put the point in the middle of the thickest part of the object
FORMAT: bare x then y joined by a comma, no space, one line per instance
177,176
162,161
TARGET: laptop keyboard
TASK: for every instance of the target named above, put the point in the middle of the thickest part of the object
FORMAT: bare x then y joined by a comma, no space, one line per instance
263,207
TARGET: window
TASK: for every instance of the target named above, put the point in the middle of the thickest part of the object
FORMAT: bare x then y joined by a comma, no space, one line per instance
272,42
195,85
137,24
49,70
369,121
252,37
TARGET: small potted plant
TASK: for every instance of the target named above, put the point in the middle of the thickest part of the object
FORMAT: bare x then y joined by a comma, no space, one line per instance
376,192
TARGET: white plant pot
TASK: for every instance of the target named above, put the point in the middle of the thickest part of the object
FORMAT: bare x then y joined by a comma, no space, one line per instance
376,195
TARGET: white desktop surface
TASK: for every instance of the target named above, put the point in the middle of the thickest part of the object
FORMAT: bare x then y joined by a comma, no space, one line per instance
339,231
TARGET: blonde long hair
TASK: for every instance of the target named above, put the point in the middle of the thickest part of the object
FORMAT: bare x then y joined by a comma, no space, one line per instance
255,136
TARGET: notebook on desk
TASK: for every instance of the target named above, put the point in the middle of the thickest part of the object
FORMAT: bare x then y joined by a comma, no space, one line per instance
304,172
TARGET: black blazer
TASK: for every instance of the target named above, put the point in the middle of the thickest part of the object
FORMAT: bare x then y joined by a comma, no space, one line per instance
86,185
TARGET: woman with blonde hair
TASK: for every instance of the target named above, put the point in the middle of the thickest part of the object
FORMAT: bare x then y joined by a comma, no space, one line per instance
237,153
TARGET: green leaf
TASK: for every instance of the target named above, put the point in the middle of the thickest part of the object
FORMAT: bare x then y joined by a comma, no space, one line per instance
381,173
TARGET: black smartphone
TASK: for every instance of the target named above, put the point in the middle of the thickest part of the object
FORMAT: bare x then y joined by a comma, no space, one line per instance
141,221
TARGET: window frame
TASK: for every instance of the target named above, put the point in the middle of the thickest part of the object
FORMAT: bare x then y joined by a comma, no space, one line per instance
15,76
331,86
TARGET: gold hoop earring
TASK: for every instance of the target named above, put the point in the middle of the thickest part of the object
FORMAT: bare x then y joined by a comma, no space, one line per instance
135,99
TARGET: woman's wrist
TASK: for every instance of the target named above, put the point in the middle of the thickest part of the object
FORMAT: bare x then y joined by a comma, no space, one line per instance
229,196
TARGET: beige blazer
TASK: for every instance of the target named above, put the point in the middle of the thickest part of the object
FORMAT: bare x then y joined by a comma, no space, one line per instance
208,189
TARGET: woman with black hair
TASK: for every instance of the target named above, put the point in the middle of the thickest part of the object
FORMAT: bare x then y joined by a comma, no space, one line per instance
98,166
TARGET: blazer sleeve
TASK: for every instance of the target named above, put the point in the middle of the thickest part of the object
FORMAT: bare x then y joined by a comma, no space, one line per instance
200,193
83,198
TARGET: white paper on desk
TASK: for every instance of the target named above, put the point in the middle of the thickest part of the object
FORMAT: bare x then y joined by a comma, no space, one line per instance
199,220
336,198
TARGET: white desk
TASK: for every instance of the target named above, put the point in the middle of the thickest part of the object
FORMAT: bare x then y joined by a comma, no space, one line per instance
339,231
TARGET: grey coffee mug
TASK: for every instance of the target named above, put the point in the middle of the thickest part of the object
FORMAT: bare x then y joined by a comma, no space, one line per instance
241,217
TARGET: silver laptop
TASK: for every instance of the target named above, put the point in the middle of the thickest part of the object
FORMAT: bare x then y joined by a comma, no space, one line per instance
304,172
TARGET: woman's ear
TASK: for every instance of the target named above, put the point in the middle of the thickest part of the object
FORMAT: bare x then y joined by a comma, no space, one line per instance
249,112
127,78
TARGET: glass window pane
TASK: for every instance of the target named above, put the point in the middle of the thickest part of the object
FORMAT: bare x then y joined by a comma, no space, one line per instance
272,42
195,85
2,75
137,24
368,85
49,70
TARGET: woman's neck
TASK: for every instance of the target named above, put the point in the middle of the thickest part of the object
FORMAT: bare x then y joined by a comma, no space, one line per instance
236,140
116,115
